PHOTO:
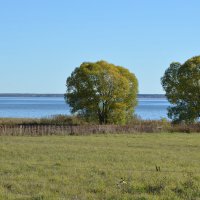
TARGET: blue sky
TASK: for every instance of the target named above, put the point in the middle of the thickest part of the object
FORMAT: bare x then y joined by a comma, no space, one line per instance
42,41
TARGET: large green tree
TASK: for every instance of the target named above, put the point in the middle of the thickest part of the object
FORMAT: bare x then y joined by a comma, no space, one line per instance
182,86
102,92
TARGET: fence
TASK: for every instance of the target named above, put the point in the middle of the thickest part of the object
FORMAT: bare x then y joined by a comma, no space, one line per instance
36,130
150,127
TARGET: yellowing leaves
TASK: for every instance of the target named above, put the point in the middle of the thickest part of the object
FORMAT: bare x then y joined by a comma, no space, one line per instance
100,91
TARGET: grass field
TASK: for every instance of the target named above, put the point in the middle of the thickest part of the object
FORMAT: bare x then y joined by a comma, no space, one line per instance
146,166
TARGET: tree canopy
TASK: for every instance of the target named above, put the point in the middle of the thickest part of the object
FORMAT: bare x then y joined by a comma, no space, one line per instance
182,86
102,92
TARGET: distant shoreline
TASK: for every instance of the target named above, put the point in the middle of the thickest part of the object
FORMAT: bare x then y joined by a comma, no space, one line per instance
62,95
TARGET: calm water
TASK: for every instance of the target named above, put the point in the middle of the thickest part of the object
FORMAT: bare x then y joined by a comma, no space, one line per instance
35,107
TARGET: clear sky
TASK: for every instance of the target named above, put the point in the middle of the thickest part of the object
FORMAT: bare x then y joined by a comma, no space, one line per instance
42,41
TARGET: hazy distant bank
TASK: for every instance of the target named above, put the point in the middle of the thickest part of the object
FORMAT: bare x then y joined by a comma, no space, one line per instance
62,95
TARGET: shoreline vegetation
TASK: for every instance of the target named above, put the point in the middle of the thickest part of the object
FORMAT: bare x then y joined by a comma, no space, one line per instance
72,125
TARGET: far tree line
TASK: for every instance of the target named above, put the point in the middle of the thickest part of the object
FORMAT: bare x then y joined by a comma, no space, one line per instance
105,93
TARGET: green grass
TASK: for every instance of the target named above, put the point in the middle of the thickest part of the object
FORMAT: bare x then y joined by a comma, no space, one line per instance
92,167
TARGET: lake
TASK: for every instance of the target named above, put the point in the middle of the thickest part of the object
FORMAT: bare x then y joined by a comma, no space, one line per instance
36,107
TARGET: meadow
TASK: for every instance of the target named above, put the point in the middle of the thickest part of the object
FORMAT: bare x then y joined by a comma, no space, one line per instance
133,166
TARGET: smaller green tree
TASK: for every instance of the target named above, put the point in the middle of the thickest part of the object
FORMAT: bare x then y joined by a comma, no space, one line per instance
182,86
102,92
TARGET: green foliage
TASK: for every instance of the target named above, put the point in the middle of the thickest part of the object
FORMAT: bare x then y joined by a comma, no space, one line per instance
102,92
182,86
